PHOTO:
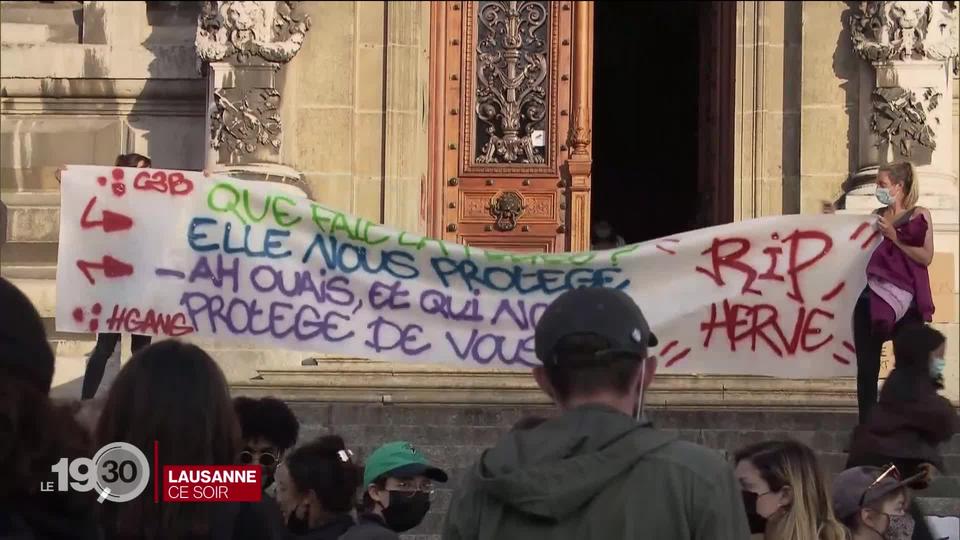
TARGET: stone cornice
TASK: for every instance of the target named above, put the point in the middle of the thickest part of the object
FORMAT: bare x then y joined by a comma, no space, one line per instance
363,381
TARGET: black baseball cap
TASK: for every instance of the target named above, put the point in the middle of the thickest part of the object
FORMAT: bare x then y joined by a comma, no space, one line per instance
608,313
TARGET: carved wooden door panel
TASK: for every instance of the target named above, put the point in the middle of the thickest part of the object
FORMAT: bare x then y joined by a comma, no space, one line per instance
500,110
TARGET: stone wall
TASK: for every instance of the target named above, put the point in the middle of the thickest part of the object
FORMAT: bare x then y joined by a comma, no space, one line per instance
453,437
356,100
81,82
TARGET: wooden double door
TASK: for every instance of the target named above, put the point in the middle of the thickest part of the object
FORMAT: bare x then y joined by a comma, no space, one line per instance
511,99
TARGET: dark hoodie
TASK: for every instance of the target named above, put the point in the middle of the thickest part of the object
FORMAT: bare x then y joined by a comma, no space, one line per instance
595,473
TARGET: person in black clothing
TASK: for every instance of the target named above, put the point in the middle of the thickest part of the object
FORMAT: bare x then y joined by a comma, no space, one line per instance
269,429
107,342
175,394
911,420
316,489
35,434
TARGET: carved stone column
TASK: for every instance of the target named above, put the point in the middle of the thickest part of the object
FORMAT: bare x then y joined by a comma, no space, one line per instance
906,113
241,45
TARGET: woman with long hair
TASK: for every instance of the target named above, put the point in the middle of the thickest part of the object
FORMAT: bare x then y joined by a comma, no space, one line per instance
106,341
35,433
175,394
898,284
785,493
317,489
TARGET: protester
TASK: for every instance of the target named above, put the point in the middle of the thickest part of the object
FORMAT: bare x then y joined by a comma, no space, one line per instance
175,394
269,429
604,237
911,420
528,422
898,290
107,342
598,470
871,501
398,485
785,493
35,434
316,488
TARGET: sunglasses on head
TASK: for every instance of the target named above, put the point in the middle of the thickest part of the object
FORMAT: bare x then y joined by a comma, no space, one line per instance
890,472
265,458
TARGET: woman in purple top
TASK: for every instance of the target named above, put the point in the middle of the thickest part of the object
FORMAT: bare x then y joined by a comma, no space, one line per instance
898,285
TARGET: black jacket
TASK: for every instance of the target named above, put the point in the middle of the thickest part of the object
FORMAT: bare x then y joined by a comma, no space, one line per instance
329,531
370,527
36,522
909,423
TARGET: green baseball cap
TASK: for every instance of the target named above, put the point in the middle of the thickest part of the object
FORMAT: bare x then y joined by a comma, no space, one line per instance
399,459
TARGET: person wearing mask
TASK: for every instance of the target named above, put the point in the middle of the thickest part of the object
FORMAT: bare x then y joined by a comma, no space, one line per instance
106,341
785,493
399,484
599,469
35,434
911,420
871,502
898,284
316,488
269,428
175,394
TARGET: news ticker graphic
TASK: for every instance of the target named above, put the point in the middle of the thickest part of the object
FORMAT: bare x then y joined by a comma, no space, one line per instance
211,483
119,472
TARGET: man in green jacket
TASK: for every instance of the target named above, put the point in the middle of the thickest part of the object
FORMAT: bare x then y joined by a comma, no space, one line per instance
598,470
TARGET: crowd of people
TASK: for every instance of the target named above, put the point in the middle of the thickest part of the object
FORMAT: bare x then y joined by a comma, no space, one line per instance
598,468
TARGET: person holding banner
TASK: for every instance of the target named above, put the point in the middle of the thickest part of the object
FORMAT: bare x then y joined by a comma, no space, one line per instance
898,284
107,342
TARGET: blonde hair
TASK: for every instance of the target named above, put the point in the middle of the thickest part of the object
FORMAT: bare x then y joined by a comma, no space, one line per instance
903,174
794,465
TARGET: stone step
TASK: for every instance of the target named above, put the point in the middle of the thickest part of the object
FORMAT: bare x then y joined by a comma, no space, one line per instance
45,13
38,33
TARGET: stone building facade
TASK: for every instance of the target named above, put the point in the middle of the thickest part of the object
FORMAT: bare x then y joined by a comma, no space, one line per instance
726,110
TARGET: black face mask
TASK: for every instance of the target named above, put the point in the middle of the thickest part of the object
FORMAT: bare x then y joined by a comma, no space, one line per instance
406,510
298,525
757,522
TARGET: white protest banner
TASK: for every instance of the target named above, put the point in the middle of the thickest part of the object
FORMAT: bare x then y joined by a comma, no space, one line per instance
172,253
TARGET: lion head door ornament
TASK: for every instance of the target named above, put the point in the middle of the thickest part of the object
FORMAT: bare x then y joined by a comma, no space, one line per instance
506,208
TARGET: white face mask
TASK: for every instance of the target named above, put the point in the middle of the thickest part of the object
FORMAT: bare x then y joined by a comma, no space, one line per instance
884,196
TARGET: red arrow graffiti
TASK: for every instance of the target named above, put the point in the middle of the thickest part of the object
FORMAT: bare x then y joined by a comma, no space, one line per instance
111,221
111,268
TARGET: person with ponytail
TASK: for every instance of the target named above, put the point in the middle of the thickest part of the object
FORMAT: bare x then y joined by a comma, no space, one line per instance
785,492
898,284
316,489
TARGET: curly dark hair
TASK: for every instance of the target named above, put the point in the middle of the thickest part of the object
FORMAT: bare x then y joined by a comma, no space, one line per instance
269,418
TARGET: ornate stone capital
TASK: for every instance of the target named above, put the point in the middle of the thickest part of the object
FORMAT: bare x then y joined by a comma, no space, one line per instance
250,33
905,30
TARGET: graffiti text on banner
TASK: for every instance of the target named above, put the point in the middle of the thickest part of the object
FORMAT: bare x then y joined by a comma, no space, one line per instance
178,254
